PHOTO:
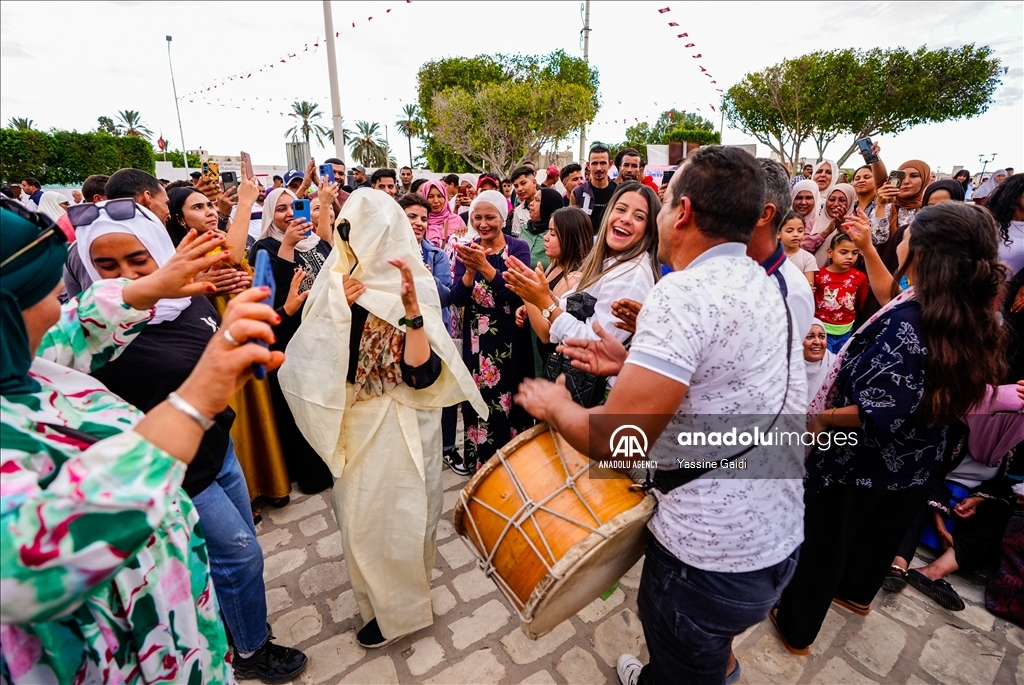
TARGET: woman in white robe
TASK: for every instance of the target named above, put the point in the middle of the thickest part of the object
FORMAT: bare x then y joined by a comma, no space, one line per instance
380,437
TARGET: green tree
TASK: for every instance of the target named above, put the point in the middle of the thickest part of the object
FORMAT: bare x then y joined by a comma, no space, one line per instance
852,94
174,157
308,113
408,126
667,129
69,157
130,124
107,125
21,124
489,113
368,148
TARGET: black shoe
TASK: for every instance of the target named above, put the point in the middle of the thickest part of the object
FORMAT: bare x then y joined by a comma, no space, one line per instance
895,580
370,636
939,590
270,663
457,464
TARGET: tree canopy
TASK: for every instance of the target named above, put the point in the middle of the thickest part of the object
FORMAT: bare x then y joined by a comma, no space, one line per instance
672,126
491,112
854,94
68,157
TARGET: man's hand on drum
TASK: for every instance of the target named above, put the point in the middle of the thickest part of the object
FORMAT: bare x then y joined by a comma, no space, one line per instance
626,311
538,397
602,357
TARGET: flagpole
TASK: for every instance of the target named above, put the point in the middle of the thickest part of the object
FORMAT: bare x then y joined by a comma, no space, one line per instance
332,73
586,58
184,153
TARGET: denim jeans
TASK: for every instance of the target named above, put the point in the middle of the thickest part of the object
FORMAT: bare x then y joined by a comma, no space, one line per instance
836,342
236,558
690,616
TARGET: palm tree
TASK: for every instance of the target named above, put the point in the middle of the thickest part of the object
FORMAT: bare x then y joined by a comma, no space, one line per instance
20,123
409,126
344,131
367,145
130,124
307,113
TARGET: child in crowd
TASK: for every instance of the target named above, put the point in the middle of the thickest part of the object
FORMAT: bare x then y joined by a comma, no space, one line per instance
839,291
790,235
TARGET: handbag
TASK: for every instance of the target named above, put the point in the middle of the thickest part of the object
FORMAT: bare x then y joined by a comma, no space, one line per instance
587,389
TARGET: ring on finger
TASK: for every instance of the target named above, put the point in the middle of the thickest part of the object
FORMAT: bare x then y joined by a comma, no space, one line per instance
230,338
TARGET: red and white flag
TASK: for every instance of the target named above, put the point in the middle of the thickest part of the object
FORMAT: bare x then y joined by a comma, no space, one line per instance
664,9
160,142
672,23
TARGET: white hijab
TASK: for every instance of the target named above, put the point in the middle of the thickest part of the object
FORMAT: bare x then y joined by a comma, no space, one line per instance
816,371
153,236
812,187
49,204
491,197
835,178
268,229
984,191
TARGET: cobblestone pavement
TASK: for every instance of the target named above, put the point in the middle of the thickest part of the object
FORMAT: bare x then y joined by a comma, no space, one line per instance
907,639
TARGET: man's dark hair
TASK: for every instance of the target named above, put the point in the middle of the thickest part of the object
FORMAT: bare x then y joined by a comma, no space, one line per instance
6,191
414,200
383,173
568,170
451,179
776,189
95,185
34,182
131,183
333,160
406,167
277,178
506,180
726,191
522,171
179,184
416,184
530,163
599,148
628,152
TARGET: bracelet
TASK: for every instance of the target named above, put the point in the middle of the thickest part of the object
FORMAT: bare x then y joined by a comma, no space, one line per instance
832,419
179,403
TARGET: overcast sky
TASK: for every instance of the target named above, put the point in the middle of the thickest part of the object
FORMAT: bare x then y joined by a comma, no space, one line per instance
80,60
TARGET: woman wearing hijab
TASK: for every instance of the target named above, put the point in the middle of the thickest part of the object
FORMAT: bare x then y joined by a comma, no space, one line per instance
374,321
442,223
55,206
817,358
840,202
942,191
497,352
982,194
543,206
254,431
105,575
806,200
826,176
896,209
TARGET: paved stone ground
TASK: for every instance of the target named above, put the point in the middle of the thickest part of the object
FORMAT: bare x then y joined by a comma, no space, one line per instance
475,639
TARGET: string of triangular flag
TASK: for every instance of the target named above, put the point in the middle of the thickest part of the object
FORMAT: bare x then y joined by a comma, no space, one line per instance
690,45
308,49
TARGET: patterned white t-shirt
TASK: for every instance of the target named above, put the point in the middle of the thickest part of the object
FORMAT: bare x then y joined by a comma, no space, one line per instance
719,326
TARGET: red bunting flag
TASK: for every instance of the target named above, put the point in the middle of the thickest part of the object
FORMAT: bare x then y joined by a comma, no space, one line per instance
369,19
714,81
388,12
690,45
703,70
353,24
672,23
713,108
683,35
698,56
662,11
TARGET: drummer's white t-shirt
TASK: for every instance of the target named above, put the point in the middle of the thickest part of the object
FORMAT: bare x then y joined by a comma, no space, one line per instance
719,326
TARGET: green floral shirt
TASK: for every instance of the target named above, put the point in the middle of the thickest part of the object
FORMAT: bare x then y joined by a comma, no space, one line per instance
103,565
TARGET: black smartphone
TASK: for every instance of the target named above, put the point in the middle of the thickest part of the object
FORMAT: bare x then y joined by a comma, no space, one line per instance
229,179
867,151
896,177
667,176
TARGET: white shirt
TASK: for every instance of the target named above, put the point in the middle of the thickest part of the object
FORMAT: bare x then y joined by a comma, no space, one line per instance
800,299
803,260
520,217
719,327
632,280
255,223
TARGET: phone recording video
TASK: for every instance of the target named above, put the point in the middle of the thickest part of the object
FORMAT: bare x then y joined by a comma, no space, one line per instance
896,177
865,148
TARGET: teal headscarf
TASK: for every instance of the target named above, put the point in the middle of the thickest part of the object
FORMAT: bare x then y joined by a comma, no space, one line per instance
23,283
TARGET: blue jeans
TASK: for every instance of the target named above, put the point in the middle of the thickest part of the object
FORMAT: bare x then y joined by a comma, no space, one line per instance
690,616
836,342
236,558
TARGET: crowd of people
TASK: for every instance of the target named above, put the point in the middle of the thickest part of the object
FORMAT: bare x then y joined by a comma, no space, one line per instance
140,440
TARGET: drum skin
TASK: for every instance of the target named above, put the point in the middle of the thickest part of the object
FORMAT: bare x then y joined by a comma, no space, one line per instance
554,563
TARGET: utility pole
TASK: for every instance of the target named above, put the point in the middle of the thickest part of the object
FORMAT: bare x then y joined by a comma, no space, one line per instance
585,31
332,72
174,88
981,158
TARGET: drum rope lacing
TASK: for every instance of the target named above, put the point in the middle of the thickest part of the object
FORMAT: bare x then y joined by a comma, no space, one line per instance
526,513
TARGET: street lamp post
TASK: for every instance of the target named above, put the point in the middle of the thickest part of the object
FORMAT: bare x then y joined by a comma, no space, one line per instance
981,158
177,109
586,58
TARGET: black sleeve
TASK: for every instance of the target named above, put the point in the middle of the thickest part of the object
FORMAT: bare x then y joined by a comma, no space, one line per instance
424,375
283,272
286,329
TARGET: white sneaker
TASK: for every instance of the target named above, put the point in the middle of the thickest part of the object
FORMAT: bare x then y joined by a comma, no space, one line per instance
628,668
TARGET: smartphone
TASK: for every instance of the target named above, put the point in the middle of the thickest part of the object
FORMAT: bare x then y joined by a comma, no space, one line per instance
229,179
263,275
327,171
866,151
211,171
896,177
667,176
301,210
247,165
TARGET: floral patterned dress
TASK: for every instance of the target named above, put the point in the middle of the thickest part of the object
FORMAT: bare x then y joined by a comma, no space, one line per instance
103,566
498,353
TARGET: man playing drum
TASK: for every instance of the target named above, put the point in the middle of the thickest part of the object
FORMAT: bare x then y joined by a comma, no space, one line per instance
714,347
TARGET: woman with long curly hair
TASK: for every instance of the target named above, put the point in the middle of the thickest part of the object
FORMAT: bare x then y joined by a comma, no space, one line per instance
899,385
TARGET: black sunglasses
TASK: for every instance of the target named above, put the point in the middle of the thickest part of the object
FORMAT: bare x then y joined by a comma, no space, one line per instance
47,228
121,209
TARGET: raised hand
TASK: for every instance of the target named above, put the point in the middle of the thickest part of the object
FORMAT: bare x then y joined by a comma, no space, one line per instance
409,301
295,298
602,357
528,284
177,277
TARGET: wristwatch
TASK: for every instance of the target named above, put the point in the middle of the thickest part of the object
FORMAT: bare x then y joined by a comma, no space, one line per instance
547,311
414,322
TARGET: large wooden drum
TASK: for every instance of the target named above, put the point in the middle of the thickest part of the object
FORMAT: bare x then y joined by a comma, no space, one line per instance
551,530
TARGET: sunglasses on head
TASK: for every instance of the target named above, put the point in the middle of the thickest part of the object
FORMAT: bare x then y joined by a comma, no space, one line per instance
47,228
121,209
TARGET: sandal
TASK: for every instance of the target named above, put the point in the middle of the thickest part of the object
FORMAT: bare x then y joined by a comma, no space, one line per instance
257,518
278,502
793,650
896,579
938,590
852,606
